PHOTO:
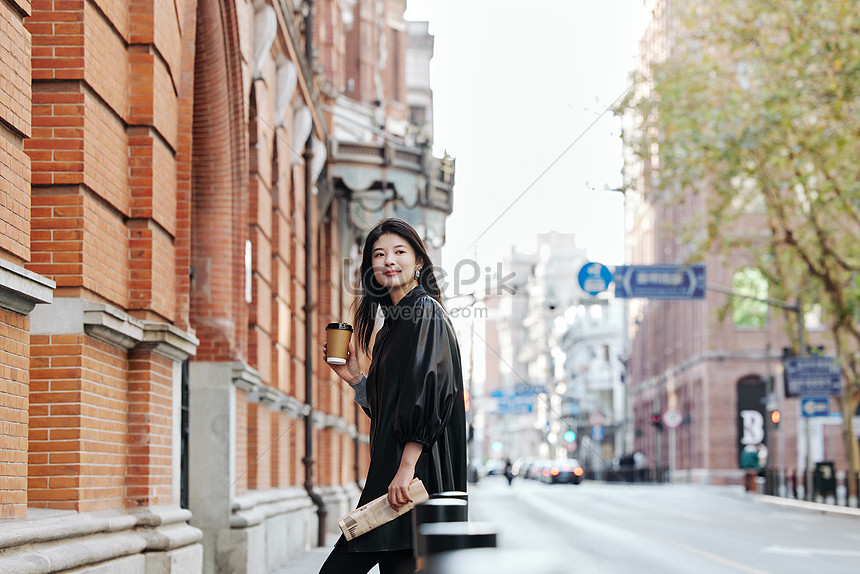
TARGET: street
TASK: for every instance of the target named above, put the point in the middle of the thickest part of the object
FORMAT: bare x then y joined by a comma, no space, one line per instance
618,528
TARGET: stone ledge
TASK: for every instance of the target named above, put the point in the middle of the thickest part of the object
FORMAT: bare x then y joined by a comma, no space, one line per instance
108,324
165,527
21,290
59,527
61,555
169,341
246,377
57,542
112,326
255,507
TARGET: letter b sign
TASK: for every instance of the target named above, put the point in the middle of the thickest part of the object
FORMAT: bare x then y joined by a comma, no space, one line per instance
753,424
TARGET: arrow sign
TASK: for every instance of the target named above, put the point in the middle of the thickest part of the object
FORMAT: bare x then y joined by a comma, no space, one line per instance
815,406
660,281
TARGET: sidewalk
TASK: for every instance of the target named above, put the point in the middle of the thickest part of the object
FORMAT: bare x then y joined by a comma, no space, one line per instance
310,562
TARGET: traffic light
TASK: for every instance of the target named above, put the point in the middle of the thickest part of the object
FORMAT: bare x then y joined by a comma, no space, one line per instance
657,421
569,436
775,417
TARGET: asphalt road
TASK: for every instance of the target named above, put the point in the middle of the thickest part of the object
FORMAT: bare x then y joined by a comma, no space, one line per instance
666,529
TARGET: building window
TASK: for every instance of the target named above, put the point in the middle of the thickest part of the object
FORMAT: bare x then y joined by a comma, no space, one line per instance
749,310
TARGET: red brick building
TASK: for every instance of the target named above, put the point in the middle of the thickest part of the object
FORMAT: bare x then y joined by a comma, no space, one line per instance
173,243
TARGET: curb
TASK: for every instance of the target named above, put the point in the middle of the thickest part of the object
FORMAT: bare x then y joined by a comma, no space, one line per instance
845,511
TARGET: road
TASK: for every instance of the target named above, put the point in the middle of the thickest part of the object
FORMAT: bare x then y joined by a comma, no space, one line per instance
666,529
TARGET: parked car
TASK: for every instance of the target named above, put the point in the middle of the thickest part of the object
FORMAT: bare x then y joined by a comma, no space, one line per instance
566,471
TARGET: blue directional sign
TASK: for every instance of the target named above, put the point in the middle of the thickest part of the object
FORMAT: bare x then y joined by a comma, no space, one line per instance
815,406
514,408
594,277
660,281
813,376
517,400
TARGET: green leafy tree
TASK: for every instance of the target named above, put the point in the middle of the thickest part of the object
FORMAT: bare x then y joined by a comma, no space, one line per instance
753,110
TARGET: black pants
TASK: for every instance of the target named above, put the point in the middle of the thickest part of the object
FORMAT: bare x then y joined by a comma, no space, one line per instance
390,561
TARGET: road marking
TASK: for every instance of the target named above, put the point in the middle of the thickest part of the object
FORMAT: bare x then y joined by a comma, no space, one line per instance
710,556
616,526
807,552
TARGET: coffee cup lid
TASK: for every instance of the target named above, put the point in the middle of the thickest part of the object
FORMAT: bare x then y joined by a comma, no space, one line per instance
346,326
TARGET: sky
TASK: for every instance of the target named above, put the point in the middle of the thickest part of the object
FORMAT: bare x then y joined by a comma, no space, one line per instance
519,89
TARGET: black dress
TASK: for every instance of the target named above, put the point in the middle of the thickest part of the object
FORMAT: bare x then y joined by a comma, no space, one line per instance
415,394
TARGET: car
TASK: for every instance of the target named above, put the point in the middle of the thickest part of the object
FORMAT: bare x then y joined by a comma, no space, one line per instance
536,467
567,471
494,467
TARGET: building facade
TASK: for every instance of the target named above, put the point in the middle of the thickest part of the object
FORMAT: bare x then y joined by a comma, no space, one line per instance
558,367
176,236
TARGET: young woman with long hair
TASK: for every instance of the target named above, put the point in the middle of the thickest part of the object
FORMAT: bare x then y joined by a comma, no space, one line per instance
413,393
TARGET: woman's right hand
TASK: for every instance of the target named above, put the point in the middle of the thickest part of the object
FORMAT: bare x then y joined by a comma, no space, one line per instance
351,371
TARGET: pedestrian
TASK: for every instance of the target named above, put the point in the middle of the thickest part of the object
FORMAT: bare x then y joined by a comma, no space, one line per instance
509,471
413,393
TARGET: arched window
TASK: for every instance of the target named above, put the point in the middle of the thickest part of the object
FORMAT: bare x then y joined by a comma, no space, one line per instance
747,312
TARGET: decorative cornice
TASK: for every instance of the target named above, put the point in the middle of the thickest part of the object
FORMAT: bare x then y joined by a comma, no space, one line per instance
319,419
21,290
246,378
112,326
266,395
292,406
168,341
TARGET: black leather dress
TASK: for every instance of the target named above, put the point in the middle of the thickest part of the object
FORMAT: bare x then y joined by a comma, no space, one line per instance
415,394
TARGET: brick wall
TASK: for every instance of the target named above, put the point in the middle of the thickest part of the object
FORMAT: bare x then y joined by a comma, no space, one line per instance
78,423
15,126
14,379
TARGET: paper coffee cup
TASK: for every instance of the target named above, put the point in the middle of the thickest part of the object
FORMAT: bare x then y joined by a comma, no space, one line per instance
337,337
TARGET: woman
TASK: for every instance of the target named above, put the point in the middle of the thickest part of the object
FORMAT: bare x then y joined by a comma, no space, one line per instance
413,393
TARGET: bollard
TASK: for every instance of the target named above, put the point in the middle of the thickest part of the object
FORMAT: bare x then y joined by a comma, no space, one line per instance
496,561
459,494
432,511
451,495
447,536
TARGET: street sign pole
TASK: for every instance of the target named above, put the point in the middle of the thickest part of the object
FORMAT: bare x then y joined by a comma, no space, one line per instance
671,455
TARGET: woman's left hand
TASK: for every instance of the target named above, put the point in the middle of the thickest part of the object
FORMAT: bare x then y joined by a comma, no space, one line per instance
398,490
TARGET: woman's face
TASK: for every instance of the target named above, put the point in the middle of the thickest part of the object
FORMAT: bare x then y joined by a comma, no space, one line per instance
393,262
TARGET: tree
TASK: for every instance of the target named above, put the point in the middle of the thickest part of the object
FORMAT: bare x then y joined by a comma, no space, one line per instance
755,110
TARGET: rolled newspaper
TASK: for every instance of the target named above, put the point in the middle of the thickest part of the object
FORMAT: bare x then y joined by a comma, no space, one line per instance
377,512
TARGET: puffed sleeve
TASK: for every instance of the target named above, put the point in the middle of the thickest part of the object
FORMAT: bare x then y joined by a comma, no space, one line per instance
432,377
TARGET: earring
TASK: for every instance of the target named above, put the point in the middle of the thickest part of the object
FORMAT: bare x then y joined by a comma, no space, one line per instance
417,273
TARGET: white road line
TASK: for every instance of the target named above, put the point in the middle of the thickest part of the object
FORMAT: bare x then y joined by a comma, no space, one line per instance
808,552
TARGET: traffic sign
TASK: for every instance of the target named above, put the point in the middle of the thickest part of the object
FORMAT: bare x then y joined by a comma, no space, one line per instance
597,433
672,418
815,406
594,277
514,407
660,281
813,376
596,419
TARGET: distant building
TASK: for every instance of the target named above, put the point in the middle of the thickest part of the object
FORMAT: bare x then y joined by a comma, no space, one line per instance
592,398
558,359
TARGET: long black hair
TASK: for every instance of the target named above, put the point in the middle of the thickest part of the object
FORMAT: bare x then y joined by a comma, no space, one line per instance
372,294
